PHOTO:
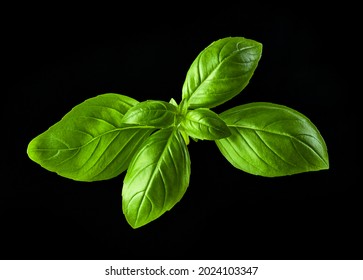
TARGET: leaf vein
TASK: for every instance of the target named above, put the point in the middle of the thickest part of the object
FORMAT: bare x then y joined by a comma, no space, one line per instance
253,150
272,150
100,120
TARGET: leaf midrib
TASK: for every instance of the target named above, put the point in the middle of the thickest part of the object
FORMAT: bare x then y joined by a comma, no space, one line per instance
208,126
285,135
95,138
217,67
154,172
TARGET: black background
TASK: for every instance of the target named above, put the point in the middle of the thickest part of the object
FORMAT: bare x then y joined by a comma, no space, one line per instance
53,61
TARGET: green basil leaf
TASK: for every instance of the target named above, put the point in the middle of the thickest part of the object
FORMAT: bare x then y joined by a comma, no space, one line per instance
173,102
157,178
90,142
221,71
272,140
158,114
204,124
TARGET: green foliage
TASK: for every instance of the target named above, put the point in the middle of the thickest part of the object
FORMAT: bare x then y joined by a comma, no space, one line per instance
90,142
111,133
221,71
272,140
157,178
204,124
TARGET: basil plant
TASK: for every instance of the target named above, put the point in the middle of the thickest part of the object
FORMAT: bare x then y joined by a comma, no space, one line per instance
111,133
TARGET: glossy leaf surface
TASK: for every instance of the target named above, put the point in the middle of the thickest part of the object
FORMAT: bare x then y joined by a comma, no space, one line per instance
272,140
221,71
158,114
90,142
204,124
157,178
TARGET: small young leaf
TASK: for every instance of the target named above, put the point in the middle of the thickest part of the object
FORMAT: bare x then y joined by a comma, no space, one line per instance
90,142
157,178
185,136
221,71
173,102
272,140
158,114
204,124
